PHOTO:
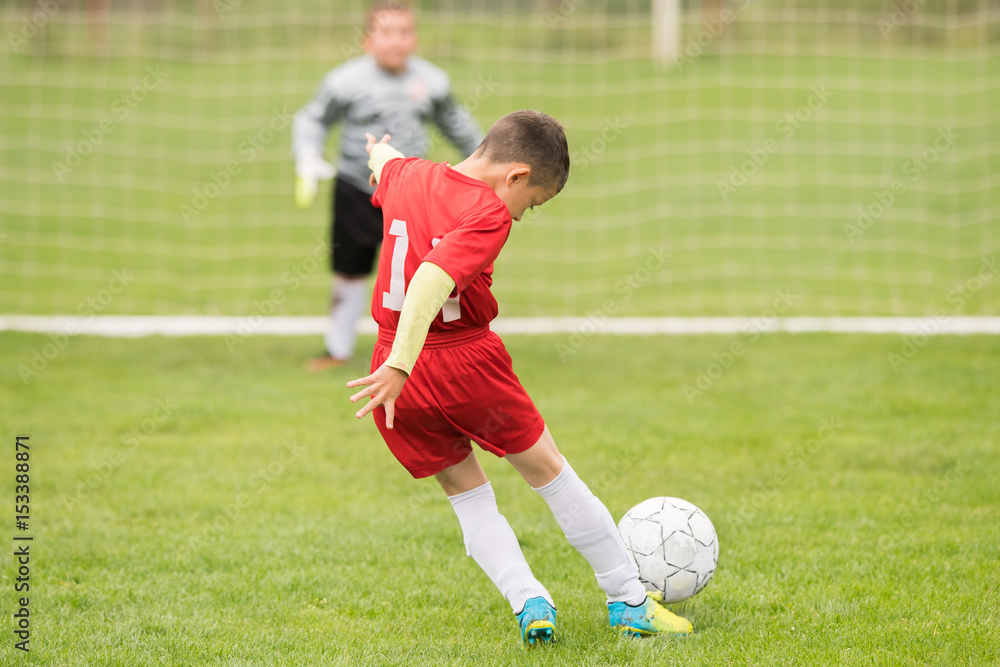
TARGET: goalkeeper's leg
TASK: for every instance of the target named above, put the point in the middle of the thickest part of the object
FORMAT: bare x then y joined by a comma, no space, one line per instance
347,301
356,232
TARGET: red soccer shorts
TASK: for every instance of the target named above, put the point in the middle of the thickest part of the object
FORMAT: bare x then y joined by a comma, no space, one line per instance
462,388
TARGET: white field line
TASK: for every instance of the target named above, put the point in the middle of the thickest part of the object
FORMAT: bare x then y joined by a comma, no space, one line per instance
128,326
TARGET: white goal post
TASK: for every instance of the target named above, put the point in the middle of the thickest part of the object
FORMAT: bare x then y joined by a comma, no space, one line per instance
666,21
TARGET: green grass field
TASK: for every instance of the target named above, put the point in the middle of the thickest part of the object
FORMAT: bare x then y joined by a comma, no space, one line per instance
192,506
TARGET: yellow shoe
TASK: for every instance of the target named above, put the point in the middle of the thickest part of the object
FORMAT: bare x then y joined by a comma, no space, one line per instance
648,619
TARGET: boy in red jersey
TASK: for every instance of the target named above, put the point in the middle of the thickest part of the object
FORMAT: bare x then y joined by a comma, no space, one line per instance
443,228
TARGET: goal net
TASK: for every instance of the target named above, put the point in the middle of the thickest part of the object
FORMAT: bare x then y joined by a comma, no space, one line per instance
841,158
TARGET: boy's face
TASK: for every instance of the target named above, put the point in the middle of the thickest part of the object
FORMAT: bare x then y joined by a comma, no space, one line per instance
392,39
518,195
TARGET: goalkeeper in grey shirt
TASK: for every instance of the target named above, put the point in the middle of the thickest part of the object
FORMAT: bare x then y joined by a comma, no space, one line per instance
386,91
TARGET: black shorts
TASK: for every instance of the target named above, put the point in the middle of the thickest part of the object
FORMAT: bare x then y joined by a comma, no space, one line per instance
356,231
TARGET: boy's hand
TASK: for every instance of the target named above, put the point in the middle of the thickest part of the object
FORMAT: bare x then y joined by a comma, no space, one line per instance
384,387
371,141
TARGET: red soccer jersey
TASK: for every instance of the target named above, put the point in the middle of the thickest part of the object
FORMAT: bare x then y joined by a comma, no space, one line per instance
432,213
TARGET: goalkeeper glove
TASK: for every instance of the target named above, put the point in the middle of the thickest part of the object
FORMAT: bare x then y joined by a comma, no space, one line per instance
310,168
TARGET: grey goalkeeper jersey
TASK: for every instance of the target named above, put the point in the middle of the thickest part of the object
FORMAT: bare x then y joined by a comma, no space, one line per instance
366,98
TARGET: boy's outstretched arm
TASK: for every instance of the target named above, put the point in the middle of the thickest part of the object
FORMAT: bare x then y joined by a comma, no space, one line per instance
378,154
428,290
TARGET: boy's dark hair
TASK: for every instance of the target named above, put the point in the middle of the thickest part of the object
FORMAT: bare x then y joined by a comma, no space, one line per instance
380,6
533,138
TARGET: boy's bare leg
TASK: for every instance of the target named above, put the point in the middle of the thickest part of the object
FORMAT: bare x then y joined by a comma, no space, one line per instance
462,477
489,539
584,519
541,463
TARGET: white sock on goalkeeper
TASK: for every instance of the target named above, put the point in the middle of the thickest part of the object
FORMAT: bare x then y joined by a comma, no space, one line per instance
491,542
588,526
347,301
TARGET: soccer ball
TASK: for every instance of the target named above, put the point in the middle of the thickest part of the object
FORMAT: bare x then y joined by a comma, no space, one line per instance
673,543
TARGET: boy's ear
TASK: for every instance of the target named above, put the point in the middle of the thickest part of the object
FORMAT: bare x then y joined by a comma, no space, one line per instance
518,174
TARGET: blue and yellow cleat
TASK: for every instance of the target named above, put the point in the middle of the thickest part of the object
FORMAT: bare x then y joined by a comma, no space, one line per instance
537,622
648,619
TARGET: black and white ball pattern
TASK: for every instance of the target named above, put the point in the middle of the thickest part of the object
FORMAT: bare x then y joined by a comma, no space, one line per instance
674,544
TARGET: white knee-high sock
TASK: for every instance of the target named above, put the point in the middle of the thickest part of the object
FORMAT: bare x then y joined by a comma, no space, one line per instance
491,542
588,526
347,302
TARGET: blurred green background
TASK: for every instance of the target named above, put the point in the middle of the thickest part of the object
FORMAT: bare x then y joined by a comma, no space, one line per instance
654,145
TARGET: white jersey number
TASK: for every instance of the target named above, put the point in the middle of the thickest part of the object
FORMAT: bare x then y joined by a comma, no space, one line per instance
393,299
